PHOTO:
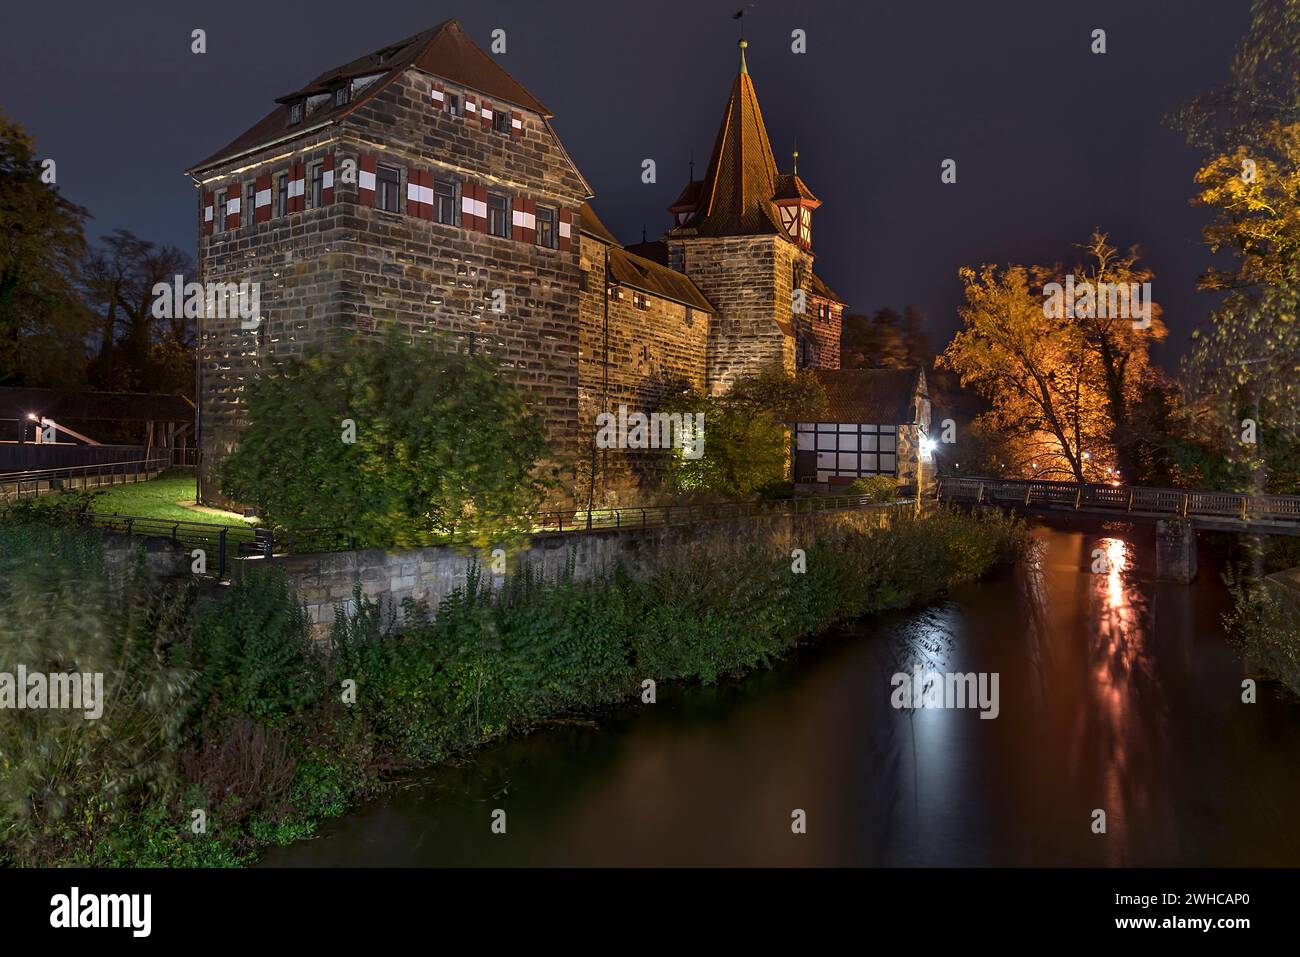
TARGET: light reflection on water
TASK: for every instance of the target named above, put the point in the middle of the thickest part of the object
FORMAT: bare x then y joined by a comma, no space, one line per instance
1115,694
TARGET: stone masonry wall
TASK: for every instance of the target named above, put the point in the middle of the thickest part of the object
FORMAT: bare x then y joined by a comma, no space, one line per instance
652,352
346,268
427,575
749,279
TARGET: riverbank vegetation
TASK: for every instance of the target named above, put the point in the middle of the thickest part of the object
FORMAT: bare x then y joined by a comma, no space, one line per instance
227,727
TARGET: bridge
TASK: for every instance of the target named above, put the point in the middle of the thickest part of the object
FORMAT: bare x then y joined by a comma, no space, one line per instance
1176,513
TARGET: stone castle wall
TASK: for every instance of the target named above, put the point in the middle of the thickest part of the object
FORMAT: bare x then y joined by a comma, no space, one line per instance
652,353
428,575
350,268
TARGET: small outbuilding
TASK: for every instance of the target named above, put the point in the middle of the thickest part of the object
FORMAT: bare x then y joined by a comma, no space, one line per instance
877,422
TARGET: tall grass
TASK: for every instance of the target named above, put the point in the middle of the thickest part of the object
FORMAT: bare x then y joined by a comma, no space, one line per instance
228,707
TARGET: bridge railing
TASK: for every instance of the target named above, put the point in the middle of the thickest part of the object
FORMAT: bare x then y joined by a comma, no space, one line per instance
1121,498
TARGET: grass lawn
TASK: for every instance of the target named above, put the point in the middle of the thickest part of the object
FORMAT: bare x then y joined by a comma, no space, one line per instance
169,497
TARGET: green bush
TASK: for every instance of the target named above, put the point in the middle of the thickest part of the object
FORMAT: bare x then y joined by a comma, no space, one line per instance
444,444
66,778
877,488
1267,632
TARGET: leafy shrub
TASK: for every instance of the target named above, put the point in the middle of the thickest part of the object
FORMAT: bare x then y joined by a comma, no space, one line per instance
444,444
229,705
66,778
877,488
1267,632
253,652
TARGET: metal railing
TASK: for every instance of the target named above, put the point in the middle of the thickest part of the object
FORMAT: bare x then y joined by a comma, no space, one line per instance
1238,506
576,521
222,544
14,485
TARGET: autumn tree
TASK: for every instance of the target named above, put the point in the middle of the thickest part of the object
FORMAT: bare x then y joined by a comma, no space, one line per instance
1041,375
1250,130
1241,374
42,322
1119,338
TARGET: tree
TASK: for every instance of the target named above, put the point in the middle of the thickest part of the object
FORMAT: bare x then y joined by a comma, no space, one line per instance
393,443
42,323
1250,129
746,432
1241,374
1122,346
137,351
872,342
1244,369
1040,374
917,347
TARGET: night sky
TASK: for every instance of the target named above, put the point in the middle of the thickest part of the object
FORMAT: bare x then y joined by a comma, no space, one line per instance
1050,140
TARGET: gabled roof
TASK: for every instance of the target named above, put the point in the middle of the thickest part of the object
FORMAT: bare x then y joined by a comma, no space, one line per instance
879,396
445,51
736,194
648,276
641,273
821,290
590,223
689,198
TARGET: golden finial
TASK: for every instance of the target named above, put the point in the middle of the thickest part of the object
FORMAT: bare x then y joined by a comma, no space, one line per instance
743,43
796,157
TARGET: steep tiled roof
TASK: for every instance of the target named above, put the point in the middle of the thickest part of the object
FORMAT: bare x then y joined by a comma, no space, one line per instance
643,273
648,276
736,195
878,396
791,186
690,196
590,223
445,51
821,290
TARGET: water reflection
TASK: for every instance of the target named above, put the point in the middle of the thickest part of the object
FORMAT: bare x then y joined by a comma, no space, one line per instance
1116,694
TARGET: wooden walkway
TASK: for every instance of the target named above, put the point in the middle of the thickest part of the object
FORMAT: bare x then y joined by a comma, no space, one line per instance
1223,511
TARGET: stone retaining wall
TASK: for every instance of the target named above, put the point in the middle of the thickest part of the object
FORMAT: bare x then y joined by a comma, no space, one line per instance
428,575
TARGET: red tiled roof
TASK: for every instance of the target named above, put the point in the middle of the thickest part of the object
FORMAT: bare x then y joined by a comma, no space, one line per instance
445,51
648,276
878,396
790,186
639,272
821,290
689,198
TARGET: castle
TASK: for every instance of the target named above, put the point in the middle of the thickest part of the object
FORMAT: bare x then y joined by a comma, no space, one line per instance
422,187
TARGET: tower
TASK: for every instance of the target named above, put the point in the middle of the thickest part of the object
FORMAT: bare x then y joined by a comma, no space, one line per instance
743,233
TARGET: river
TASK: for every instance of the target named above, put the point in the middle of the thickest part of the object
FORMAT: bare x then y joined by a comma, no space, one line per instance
1114,693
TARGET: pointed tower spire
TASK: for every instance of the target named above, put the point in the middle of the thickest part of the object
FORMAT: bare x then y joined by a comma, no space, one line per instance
735,196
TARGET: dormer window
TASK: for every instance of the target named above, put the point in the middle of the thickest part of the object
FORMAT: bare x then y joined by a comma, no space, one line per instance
295,112
341,95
